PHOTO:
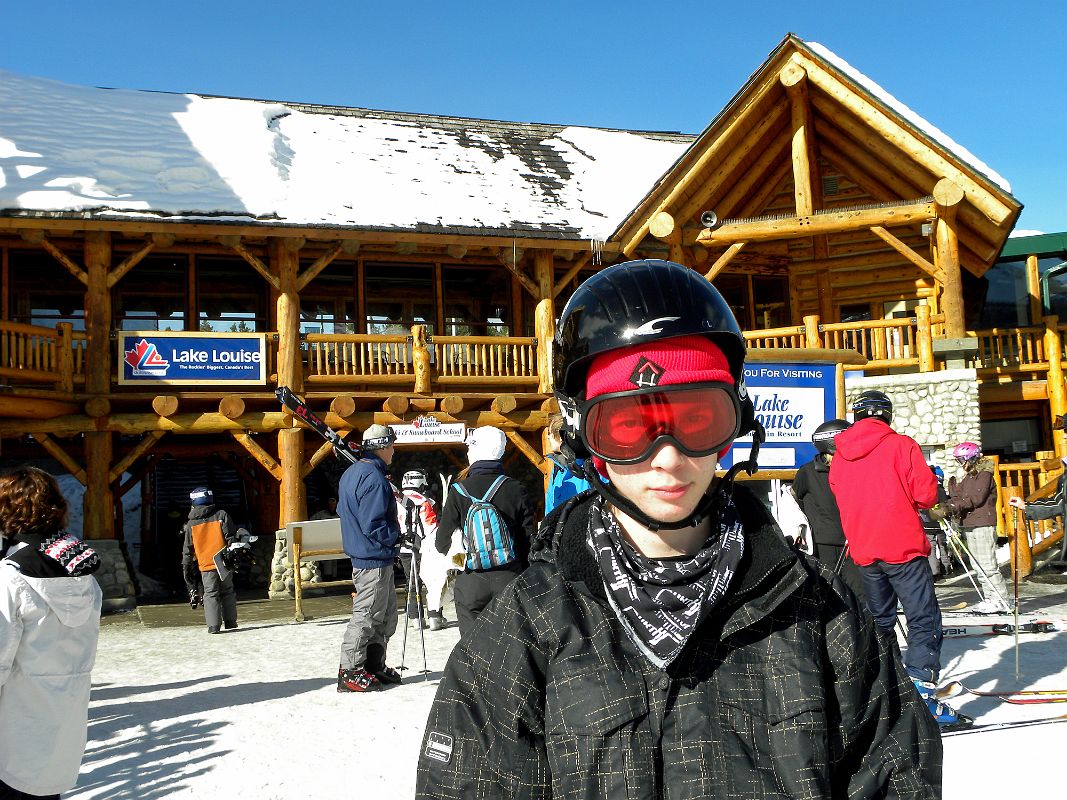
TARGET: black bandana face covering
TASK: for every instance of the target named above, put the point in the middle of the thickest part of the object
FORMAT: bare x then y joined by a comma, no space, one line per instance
661,602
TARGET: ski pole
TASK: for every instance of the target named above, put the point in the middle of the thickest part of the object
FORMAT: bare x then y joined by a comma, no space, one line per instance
1015,583
418,603
407,619
954,546
977,566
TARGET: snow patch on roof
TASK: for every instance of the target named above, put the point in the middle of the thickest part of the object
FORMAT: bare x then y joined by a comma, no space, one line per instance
918,122
67,148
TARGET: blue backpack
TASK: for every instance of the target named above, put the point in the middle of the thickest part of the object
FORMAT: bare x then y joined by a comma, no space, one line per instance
485,534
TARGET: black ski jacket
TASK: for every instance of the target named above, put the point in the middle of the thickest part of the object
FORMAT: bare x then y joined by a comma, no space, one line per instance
785,691
511,500
812,489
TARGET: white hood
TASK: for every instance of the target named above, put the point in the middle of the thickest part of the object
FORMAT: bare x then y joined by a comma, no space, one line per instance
71,599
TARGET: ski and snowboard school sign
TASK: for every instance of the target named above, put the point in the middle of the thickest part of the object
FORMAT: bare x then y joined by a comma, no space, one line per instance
428,429
177,359
791,401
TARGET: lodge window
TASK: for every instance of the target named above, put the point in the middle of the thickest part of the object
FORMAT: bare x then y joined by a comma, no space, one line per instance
151,297
327,304
477,301
43,292
758,301
231,298
398,296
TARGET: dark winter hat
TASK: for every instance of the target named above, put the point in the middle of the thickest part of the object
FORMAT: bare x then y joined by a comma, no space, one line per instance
76,557
378,437
202,496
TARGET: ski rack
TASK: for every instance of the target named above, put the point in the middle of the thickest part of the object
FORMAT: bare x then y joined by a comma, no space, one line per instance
304,414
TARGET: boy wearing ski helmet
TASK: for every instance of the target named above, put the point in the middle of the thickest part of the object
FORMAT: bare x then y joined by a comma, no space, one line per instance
370,533
811,486
973,500
664,634
881,480
208,530
418,522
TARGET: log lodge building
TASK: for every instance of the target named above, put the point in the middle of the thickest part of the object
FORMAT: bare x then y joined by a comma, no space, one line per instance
395,266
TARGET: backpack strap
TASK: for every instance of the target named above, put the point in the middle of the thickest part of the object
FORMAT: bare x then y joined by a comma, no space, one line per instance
492,489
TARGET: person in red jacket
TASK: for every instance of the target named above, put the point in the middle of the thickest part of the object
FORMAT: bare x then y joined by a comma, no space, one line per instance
881,480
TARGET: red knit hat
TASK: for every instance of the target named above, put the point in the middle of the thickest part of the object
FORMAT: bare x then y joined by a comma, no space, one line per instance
665,362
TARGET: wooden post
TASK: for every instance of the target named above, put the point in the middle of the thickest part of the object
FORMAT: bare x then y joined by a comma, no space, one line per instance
794,79
924,338
811,331
947,199
294,557
1033,288
1057,396
826,296
98,502
65,357
420,357
544,319
840,383
284,264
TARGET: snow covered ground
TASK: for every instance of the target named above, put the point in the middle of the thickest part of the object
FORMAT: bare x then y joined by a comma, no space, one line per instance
253,713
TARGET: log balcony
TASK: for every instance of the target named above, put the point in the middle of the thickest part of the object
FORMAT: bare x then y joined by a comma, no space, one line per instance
54,358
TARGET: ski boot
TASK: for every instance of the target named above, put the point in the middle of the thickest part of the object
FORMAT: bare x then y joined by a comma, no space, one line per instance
991,607
948,719
436,620
356,680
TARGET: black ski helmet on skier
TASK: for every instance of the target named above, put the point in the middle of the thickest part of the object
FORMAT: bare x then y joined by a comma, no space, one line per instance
633,304
823,437
873,403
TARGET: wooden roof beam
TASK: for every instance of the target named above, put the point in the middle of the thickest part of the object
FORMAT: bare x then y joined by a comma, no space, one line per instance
755,141
128,263
723,260
908,253
858,142
234,243
816,224
714,147
510,257
36,236
759,173
981,197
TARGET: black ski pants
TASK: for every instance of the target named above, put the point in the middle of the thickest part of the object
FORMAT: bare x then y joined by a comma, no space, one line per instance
912,584
474,591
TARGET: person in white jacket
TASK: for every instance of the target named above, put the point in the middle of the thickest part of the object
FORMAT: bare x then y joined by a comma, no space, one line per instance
49,624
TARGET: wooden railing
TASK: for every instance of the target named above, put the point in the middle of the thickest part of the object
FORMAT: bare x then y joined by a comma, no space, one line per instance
1016,349
358,357
478,359
1030,480
886,343
33,354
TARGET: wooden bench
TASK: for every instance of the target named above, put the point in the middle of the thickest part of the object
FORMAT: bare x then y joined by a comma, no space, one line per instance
312,540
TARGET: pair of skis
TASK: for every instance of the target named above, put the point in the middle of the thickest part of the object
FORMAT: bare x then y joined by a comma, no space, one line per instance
965,629
1020,697
304,414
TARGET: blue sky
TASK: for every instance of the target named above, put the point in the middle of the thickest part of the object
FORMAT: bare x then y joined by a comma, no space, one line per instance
990,75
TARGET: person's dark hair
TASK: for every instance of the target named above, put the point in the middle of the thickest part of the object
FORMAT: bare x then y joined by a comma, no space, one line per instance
31,503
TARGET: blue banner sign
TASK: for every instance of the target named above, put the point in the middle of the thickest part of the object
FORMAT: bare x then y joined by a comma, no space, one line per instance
791,401
177,359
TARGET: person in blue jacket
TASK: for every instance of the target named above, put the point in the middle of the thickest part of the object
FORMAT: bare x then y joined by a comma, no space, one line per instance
370,535
562,484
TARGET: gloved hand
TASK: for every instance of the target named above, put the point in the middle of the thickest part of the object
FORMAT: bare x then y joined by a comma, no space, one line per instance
194,599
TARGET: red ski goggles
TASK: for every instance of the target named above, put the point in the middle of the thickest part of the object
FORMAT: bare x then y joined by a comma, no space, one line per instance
627,427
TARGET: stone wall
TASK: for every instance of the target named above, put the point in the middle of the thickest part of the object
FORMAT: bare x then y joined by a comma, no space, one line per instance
281,578
937,409
114,575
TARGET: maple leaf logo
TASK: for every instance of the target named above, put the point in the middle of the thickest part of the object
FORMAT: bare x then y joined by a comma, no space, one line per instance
145,359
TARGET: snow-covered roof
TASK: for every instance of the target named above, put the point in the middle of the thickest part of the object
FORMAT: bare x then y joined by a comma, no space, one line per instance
122,154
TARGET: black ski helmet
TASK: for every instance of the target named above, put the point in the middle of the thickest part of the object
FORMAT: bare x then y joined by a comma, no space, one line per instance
873,403
634,303
823,438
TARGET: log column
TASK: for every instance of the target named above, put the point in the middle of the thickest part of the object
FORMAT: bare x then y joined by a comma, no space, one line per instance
544,319
1057,395
98,505
947,198
285,261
